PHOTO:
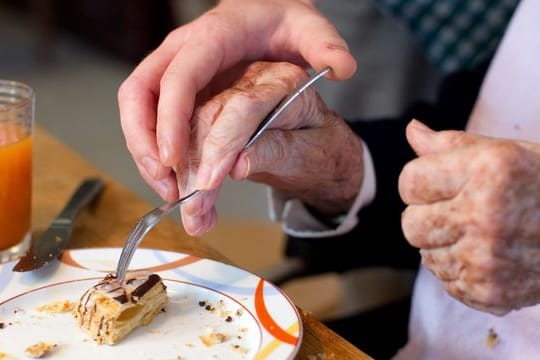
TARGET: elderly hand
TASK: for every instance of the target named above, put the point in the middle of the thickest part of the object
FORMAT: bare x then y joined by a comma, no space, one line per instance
157,100
308,153
474,211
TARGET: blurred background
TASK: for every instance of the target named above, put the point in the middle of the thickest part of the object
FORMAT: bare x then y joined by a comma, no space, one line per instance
76,53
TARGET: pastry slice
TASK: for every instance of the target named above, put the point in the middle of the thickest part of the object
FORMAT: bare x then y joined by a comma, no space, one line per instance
110,310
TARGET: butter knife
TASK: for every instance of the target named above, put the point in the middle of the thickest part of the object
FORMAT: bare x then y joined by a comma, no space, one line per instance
51,244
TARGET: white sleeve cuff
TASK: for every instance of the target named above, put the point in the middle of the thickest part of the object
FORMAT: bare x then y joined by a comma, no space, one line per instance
297,221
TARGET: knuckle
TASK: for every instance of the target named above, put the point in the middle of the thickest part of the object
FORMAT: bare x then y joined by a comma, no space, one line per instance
292,76
409,181
487,293
293,73
218,145
214,26
174,35
133,149
409,225
458,138
169,77
501,156
208,112
128,88
278,148
247,103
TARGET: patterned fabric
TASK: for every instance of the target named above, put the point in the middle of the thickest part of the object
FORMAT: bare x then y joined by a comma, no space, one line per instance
456,34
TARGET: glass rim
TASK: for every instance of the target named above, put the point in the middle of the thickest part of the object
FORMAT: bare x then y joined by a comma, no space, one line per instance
23,101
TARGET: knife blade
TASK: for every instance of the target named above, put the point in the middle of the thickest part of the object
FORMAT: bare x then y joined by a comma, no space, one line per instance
55,239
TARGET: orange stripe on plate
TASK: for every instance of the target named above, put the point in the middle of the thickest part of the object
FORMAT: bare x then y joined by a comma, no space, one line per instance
266,319
67,258
190,259
272,345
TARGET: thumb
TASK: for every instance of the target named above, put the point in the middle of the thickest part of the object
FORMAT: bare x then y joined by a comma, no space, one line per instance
321,45
426,141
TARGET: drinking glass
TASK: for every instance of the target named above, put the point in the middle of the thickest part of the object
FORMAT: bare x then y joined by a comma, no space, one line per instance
16,128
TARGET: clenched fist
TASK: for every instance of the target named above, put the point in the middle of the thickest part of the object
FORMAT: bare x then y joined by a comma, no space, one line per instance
474,212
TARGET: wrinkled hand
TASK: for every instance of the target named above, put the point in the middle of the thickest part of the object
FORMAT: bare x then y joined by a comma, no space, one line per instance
157,100
474,211
308,152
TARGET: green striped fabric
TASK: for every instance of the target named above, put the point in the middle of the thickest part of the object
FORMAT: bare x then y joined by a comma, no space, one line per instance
456,34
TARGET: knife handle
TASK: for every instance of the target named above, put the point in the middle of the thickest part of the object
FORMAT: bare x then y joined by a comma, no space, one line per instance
84,194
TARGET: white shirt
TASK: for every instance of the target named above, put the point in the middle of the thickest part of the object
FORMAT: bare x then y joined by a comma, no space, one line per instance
508,106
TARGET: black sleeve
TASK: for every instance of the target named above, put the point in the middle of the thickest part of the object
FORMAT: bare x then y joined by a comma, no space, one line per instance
377,240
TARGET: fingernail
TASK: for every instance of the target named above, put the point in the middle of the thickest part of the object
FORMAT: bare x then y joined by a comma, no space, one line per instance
204,176
243,166
164,152
419,126
337,47
194,206
193,224
151,165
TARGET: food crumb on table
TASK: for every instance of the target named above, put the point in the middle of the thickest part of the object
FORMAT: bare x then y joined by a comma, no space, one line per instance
4,356
492,339
39,350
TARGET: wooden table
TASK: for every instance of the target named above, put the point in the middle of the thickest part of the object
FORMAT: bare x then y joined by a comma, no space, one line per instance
58,170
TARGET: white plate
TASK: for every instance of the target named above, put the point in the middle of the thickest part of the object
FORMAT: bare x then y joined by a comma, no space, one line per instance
265,324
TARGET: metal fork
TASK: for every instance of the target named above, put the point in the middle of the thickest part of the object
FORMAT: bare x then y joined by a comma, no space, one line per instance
148,221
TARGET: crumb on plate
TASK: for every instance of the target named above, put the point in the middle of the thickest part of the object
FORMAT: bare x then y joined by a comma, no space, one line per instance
39,350
56,307
4,356
240,349
213,338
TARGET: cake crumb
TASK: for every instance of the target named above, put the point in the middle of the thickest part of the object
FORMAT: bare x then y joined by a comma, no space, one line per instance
4,356
239,349
59,306
492,339
39,350
213,338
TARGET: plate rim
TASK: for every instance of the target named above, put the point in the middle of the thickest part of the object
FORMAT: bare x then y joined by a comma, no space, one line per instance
294,348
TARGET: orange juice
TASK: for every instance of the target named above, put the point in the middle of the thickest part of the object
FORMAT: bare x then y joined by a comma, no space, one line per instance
15,191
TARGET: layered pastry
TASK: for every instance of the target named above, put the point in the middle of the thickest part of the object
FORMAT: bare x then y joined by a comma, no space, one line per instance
110,310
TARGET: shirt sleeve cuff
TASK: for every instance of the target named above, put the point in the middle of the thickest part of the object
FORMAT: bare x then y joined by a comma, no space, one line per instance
297,221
